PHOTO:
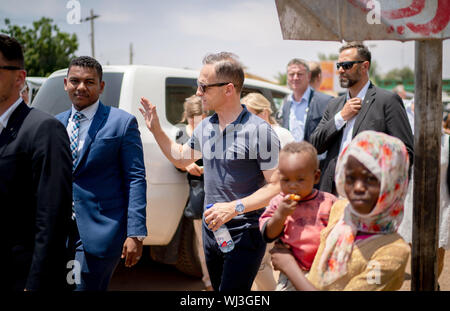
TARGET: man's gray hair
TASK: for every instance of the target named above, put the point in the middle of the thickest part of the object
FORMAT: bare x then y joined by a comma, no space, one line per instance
298,61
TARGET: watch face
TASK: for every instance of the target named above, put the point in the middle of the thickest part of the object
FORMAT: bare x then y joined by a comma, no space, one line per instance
240,208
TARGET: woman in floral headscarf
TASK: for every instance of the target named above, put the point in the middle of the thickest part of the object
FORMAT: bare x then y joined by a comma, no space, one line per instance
360,249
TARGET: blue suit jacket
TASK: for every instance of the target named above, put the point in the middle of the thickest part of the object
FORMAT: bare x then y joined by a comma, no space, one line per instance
318,103
109,186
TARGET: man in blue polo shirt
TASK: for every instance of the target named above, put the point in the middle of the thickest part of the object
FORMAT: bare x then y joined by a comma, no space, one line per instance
240,155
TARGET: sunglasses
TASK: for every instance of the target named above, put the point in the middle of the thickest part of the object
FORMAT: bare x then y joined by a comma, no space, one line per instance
348,65
204,87
10,68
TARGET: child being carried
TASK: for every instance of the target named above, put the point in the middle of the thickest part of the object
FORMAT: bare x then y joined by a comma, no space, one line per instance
298,214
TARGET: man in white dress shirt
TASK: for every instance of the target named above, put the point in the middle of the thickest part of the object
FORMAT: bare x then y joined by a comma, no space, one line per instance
303,109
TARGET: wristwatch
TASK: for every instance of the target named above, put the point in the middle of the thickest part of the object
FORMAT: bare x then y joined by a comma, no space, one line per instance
239,208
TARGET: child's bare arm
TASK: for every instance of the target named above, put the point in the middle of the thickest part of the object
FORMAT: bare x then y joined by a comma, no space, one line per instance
275,224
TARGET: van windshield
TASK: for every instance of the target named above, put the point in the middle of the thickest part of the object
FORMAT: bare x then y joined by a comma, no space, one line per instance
53,99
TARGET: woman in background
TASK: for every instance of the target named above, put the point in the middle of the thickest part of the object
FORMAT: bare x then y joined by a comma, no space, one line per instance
193,114
260,106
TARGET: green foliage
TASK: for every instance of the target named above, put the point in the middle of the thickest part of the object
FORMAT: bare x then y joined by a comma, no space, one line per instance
323,57
46,48
400,75
281,78
374,74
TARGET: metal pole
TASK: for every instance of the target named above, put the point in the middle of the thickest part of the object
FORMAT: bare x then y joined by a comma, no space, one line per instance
427,146
131,53
92,33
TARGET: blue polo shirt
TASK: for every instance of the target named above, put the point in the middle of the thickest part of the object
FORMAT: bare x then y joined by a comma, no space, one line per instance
234,160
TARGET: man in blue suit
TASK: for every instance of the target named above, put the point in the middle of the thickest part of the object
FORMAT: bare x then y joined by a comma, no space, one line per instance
109,186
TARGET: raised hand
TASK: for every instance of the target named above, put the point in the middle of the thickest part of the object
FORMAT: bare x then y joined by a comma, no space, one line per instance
288,205
149,113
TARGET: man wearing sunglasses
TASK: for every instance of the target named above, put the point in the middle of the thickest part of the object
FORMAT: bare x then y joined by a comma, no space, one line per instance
240,154
364,107
35,184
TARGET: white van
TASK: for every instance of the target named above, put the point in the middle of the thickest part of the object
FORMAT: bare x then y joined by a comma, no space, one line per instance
170,234
34,83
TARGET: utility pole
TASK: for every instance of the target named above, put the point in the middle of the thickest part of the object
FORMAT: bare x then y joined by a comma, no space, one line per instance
427,146
131,54
91,18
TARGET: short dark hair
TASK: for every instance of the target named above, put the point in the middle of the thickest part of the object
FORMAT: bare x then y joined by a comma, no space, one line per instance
363,51
12,50
227,67
302,147
87,62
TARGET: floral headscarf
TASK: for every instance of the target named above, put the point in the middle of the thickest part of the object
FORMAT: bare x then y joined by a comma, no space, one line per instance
387,158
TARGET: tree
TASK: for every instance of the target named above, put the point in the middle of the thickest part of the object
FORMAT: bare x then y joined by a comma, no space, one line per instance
323,57
45,47
374,74
400,75
281,77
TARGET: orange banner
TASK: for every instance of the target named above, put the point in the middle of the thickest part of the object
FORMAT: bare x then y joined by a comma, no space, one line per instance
328,75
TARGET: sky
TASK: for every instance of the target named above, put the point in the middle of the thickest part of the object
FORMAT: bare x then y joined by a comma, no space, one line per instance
179,33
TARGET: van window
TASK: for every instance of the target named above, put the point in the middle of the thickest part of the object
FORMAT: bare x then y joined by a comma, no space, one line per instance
277,99
177,90
53,99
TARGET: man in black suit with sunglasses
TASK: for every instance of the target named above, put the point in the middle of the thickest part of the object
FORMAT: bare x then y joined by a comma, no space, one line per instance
35,184
364,107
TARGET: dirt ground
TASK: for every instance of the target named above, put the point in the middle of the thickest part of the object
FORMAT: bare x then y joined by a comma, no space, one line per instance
444,279
151,276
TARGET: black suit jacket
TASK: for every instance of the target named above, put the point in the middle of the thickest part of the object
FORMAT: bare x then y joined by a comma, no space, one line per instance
381,111
35,198
318,103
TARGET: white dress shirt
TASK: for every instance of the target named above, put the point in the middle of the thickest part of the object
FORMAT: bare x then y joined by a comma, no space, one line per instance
85,123
340,122
409,112
4,118
298,114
